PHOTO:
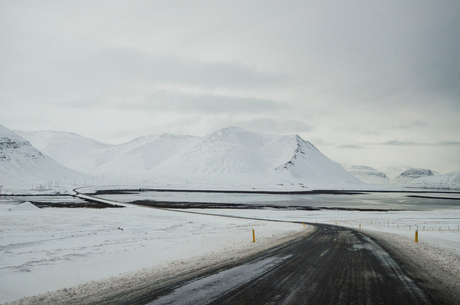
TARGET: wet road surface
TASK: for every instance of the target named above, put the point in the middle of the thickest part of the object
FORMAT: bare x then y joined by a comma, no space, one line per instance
332,265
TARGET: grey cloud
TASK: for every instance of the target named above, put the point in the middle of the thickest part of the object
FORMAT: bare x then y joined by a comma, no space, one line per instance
351,146
275,125
410,143
109,69
447,143
410,125
132,64
172,100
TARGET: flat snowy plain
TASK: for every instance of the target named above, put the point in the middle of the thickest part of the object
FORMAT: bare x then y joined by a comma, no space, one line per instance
62,253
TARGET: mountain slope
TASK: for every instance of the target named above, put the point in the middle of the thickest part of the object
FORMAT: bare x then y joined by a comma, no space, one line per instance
412,174
310,165
22,165
67,148
137,157
367,174
447,181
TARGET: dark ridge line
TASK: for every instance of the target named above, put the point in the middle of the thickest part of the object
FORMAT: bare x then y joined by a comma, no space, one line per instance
430,197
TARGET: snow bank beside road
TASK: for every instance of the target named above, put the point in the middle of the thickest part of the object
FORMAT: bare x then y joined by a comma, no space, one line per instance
50,249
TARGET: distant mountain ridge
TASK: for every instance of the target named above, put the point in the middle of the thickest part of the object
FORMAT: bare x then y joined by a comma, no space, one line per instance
367,174
229,153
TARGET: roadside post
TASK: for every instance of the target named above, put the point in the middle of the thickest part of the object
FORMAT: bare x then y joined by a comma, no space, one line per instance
253,236
416,236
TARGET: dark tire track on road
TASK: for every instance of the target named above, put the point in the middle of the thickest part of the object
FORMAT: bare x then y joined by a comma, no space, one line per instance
332,265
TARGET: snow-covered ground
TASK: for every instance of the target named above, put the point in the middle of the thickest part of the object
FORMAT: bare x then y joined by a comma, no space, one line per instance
55,248
44,250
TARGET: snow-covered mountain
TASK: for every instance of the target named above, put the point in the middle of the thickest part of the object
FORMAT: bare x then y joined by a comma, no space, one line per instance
229,154
447,181
367,174
412,174
139,156
237,152
393,171
69,149
22,165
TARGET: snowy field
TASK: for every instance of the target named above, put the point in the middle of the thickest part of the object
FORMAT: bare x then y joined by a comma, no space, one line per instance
49,249
55,248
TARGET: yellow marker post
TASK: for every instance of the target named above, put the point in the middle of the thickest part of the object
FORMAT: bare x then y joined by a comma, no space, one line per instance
416,236
303,224
253,236
360,226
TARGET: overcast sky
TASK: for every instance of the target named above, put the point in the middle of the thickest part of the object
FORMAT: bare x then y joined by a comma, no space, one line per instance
368,82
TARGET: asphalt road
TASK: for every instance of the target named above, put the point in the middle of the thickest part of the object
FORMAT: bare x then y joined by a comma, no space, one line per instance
332,265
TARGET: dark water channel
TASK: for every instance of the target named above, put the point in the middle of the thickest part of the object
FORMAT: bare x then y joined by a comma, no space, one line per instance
358,201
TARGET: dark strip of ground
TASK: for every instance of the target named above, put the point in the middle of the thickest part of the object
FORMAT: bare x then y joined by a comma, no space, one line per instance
431,197
314,192
83,204
216,205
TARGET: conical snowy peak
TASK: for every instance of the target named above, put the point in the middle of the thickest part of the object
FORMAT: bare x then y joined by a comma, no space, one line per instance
310,165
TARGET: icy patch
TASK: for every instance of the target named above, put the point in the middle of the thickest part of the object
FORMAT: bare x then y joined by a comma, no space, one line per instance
209,288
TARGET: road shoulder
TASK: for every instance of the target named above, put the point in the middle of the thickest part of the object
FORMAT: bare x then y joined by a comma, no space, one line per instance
436,268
